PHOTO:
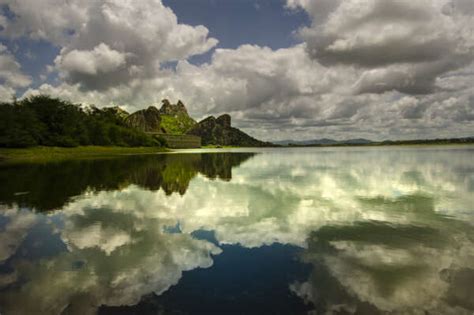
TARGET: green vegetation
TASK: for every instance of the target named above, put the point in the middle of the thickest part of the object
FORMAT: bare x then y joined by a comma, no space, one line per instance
45,121
178,124
51,154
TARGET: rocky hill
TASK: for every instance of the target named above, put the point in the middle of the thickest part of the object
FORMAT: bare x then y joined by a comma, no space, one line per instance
169,109
218,131
147,120
175,118
169,119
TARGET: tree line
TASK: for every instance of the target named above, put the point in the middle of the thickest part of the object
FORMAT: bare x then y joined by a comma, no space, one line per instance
46,121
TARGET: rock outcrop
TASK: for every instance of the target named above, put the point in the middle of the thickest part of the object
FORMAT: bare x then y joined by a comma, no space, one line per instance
175,118
224,121
147,120
218,131
172,110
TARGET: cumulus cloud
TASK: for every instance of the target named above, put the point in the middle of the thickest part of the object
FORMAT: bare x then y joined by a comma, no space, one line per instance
288,93
51,20
105,44
403,45
357,60
125,40
255,84
11,75
101,59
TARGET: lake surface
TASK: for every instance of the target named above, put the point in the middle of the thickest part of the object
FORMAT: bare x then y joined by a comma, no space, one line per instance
271,231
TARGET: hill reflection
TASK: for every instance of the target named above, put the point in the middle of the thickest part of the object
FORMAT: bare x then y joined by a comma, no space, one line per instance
50,186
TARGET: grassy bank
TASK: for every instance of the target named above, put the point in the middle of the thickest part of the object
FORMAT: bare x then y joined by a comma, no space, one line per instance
51,154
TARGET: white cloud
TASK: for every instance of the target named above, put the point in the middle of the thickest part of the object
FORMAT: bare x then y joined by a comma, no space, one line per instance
51,20
122,41
11,75
108,43
100,60
6,93
403,45
344,81
287,92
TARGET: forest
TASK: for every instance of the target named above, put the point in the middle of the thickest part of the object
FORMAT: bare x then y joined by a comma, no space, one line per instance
46,121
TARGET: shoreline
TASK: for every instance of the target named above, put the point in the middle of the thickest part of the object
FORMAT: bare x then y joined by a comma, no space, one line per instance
374,145
44,154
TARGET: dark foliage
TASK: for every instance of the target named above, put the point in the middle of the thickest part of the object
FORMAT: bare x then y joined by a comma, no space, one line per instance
46,121
51,185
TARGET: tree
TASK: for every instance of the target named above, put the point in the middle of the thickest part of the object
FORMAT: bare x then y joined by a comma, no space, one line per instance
42,120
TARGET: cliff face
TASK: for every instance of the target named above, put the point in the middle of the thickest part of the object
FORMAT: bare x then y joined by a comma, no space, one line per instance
218,131
147,120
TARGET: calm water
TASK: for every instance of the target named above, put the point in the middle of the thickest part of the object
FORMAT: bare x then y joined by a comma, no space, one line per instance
277,231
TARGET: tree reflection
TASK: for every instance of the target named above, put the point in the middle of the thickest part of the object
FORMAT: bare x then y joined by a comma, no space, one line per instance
50,186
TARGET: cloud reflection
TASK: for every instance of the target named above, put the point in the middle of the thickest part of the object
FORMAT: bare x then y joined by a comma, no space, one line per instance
387,230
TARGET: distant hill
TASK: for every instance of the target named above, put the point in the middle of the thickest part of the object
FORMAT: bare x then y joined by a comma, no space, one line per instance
357,141
218,131
361,142
323,141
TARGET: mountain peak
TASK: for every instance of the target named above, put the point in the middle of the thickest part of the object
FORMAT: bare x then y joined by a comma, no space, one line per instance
224,120
173,109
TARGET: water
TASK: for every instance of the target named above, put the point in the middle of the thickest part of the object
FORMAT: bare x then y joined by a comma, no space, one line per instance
274,231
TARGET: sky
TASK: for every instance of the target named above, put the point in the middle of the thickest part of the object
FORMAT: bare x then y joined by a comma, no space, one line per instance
283,69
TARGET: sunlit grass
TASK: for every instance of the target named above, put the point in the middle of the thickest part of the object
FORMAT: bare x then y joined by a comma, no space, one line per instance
47,154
